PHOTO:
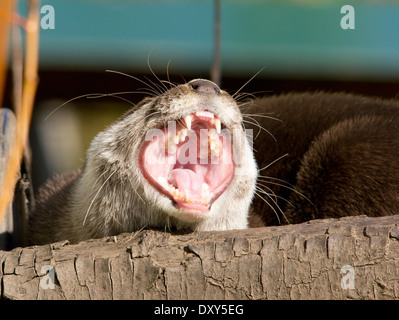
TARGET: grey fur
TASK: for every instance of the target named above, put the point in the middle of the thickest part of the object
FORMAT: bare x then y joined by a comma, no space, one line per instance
110,194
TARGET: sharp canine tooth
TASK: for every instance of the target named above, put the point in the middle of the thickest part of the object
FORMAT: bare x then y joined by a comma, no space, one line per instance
218,126
176,139
183,134
171,143
213,145
188,120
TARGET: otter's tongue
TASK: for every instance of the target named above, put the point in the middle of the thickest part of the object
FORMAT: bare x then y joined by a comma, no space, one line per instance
186,180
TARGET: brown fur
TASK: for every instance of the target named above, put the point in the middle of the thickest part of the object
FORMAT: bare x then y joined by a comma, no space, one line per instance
343,157
54,197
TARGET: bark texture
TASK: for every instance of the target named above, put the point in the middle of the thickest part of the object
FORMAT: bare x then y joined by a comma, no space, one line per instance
305,261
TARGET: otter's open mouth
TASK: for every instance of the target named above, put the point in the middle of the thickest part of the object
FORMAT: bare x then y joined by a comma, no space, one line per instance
189,161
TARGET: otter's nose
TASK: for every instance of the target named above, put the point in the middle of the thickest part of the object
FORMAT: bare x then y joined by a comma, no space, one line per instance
205,86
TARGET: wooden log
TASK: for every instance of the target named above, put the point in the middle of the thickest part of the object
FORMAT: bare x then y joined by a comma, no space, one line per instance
348,258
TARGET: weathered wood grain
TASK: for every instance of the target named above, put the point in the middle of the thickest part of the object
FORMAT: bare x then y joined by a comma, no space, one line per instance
289,262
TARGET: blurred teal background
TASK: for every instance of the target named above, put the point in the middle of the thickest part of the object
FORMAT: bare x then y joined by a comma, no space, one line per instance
288,38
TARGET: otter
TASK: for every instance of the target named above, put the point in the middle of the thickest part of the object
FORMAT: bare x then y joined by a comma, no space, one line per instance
184,160
329,155
179,161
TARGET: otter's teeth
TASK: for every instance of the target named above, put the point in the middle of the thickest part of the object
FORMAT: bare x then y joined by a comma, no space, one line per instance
215,150
206,196
205,114
213,134
204,191
183,134
218,125
214,143
186,196
171,143
177,193
163,182
176,139
188,119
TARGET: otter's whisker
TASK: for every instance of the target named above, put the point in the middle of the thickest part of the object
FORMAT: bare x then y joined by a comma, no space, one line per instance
131,92
273,162
153,73
252,94
256,123
271,207
91,204
289,188
249,115
173,85
113,213
149,115
273,194
153,90
159,88
167,72
242,87
274,178
241,106
99,177
135,190
268,188
244,95
70,100
274,201
168,77
113,96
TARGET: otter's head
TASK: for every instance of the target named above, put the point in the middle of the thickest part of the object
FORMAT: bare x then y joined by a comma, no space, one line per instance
186,155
